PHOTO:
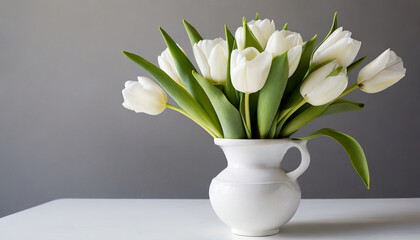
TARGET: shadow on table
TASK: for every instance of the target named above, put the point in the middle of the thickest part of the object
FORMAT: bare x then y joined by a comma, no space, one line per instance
332,227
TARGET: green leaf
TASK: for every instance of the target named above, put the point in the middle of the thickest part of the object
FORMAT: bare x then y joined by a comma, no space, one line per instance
231,93
333,25
185,68
296,79
342,105
192,33
272,93
178,93
272,132
314,67
335,72
307,113
229,116
353,149
332,29
355,64
250,39
286,26
298,120
257,17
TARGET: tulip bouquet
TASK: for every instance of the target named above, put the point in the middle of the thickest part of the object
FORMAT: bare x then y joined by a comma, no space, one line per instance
262,82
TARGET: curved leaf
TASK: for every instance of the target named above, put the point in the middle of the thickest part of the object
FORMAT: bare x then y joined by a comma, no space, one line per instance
271,94
231,93
178,93
314,67
229,116
352,147
342,105
185,68
250,39
193,34
332,29
301,119
307,113
355,64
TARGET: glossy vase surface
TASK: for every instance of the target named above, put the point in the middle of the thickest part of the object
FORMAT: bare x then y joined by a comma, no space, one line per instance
253,194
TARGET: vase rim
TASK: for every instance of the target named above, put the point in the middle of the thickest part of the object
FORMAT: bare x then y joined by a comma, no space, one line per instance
244,141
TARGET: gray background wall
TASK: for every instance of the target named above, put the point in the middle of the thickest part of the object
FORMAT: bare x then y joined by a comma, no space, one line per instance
64,133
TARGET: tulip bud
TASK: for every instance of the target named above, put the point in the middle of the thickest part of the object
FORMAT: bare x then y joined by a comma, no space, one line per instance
144,96
249,69
167,64
212,58
284,40
262,30
324,85
338,45
381,73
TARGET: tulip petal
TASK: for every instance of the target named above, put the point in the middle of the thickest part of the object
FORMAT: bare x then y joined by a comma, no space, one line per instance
319,88
144,96
201,61
240,38
382,81
218,62
293,58
374,67
384,71
338,45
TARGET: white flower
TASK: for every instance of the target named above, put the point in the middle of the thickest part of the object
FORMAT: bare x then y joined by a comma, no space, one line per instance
212,58
284,40
381,73
144,96
262,30
249,69
167,64
338,45
324,85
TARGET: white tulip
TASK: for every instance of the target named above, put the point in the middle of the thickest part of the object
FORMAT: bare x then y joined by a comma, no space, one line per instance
381,73
212,58
262,30
144,96
322,87
167,64
284,40
249,69
338,45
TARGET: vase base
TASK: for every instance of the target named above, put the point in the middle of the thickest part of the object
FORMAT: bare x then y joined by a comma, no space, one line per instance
255,233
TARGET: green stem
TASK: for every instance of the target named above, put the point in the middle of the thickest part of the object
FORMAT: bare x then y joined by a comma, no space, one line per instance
190,117
247,115
355,86
289,113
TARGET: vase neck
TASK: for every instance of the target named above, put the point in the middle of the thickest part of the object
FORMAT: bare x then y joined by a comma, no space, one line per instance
254,153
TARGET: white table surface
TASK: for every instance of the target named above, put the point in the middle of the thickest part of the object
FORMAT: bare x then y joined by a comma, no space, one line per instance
129,219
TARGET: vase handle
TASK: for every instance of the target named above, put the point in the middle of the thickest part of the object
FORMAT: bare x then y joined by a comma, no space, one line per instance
306,159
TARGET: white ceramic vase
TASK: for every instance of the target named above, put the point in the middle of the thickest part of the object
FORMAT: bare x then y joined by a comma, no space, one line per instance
253,194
